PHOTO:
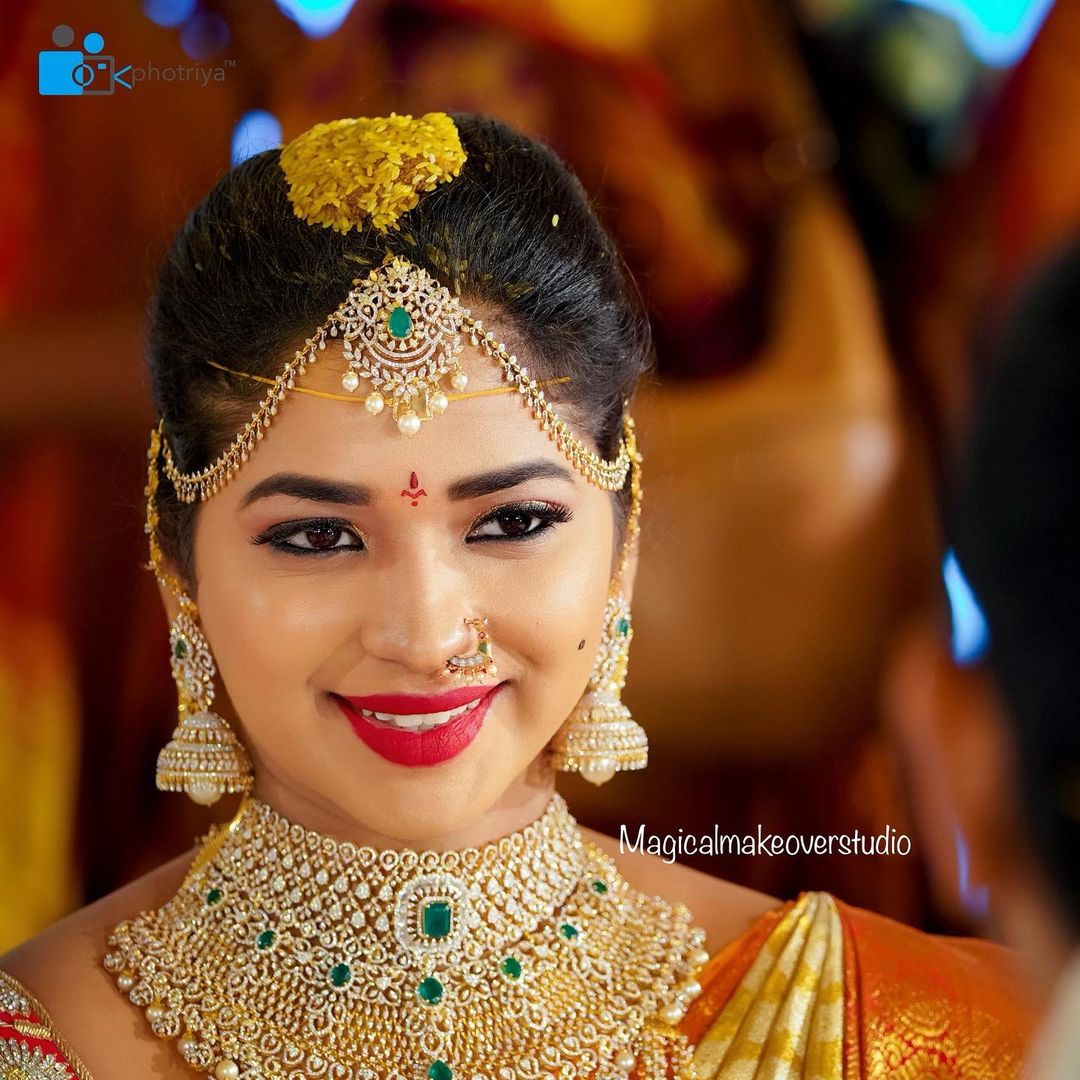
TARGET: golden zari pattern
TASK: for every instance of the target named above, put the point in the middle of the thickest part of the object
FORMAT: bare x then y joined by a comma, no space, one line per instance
289,954
786,1016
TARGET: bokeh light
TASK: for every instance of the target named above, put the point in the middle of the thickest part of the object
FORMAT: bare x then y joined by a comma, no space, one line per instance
317,18
998,32
204,35
970,632
168,12
255,132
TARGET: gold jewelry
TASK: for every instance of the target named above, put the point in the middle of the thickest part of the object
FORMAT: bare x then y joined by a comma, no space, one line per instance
286,953
354,400
402,331
600,737
203,758
473,668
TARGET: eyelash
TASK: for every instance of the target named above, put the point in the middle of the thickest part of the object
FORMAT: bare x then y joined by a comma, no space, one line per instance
549,514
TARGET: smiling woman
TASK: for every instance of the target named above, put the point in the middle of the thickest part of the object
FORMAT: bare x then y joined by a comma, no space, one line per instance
345,513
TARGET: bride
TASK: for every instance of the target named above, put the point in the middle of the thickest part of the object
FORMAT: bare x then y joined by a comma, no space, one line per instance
405,535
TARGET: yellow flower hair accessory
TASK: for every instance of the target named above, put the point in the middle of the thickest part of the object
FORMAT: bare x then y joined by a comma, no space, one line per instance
346,172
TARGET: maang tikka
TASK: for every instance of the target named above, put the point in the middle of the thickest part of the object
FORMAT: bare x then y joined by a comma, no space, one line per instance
203,758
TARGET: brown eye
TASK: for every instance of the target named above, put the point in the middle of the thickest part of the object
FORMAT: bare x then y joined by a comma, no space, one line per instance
522,522
322,537
312,538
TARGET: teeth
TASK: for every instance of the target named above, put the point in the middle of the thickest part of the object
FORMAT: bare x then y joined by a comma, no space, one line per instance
418,721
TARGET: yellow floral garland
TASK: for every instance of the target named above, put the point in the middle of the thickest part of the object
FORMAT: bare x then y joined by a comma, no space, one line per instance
346,172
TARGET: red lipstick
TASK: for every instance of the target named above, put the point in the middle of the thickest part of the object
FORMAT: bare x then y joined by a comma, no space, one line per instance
419,747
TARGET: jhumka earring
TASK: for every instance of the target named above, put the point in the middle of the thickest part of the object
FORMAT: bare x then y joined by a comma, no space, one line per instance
472,668
600,737
203,758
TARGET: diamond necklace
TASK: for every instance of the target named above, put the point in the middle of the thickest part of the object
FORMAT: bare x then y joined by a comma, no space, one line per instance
286,953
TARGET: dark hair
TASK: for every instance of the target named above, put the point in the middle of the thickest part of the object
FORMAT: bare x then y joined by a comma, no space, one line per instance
245,282
1016,520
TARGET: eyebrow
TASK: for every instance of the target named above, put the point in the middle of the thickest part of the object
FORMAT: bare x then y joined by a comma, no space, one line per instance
319,489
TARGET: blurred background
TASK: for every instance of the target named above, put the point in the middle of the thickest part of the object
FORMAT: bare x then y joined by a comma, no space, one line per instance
827,204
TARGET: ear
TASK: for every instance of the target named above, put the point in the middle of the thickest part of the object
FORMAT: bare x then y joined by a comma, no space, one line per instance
168,598
631,575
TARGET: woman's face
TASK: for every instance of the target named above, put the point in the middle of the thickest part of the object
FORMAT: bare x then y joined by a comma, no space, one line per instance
342,561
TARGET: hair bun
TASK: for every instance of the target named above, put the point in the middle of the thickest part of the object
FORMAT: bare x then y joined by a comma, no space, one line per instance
345,173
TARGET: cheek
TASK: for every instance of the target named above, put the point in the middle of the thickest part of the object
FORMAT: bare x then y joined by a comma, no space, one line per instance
268,629
551,610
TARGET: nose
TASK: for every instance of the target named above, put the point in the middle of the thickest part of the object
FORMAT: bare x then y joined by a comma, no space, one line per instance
414,614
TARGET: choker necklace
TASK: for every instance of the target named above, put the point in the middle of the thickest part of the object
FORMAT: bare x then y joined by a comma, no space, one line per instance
288,954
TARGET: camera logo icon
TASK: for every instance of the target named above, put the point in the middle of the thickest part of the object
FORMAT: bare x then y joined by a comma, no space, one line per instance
70,71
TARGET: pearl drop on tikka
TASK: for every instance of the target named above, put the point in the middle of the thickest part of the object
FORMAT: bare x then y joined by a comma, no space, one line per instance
459,380
374,403
438,402
350,380
408,423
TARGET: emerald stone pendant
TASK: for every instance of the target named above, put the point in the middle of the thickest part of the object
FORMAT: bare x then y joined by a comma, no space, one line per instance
439,1070
430,990
436,919
400,323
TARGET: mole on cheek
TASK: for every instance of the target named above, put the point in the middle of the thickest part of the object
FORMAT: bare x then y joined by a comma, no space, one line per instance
581,645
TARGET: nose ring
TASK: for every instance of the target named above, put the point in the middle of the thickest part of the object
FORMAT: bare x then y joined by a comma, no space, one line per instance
473,667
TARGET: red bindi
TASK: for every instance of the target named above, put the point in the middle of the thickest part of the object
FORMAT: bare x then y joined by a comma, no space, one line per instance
414,490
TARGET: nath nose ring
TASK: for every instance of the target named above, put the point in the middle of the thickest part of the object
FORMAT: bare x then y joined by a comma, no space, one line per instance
474,666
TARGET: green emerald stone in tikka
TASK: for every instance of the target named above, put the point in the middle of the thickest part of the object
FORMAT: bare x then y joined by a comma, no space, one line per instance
400,323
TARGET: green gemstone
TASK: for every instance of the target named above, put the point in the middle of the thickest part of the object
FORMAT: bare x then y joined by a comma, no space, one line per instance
400,322
511,966
439,1070
484,648
180,649
599,886
340,974
265,939
624,625
430,989
437,919
568,931
213,896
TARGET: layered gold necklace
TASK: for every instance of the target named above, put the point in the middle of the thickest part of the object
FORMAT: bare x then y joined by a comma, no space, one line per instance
286,953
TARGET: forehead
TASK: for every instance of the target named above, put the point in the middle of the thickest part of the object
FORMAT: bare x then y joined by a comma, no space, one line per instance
333,437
